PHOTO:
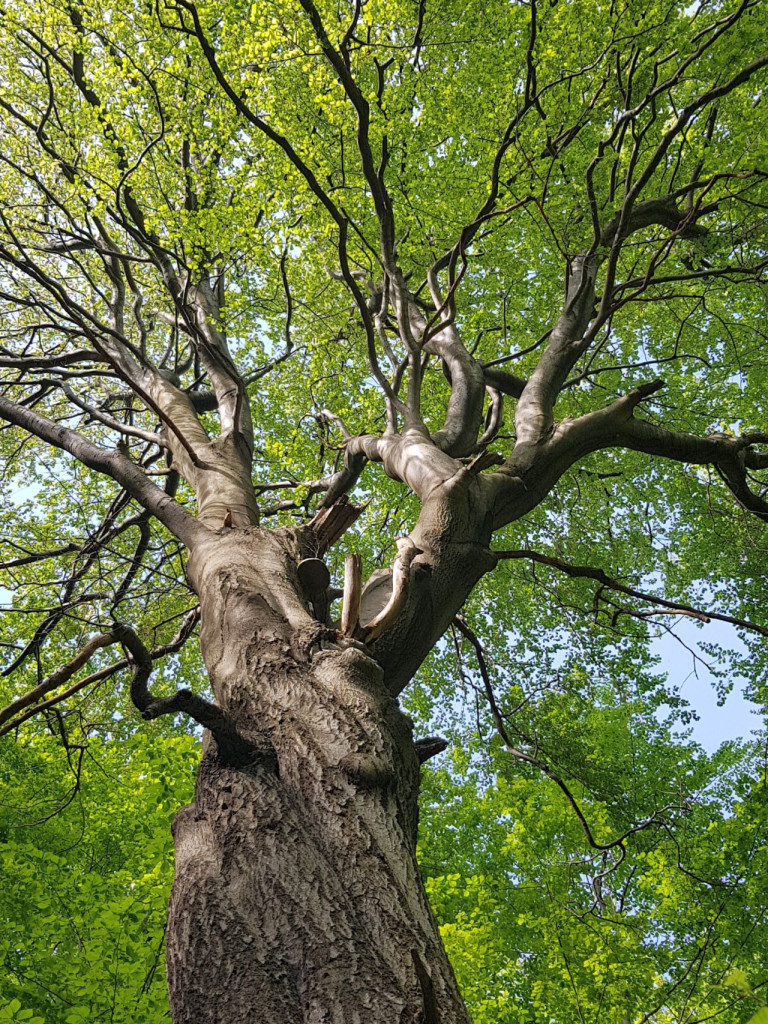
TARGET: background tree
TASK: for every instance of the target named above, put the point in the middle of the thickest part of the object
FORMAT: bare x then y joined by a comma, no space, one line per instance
248,251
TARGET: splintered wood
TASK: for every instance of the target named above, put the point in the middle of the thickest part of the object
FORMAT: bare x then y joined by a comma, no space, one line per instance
331,523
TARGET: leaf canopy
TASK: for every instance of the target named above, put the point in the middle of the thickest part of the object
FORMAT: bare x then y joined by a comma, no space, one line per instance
149,149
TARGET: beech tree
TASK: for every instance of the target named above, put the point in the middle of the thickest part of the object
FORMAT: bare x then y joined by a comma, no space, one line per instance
284,286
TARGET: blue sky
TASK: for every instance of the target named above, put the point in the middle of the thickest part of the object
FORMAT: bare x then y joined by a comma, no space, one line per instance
737,717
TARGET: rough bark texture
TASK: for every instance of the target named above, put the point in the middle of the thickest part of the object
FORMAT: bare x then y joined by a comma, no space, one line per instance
297,895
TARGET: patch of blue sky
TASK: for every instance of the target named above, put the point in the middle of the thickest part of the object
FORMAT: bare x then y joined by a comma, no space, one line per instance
717,721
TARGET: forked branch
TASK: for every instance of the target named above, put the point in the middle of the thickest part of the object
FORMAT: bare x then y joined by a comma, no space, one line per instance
112,463
605,581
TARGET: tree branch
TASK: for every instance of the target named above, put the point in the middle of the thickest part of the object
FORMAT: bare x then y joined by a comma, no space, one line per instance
112,463
599,576
99,676
520,755
57,678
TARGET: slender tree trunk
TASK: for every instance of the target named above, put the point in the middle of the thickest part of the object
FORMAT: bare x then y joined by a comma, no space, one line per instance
297,896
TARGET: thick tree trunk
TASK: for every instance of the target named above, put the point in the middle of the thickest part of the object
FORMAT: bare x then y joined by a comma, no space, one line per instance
297,896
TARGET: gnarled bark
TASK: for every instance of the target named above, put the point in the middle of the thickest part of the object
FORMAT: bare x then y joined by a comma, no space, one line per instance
297,895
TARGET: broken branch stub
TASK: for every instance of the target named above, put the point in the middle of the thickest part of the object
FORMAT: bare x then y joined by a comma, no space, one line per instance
353,585
331,523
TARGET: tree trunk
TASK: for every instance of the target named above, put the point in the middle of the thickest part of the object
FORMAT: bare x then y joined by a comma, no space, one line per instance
297,895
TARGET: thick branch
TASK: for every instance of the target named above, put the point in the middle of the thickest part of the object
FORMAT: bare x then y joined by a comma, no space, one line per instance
101,674
533,470
59,677
731,456
112,463
501,380
464,415
535,409
410,457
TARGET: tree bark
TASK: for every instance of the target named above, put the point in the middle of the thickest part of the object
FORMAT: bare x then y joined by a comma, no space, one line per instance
297,895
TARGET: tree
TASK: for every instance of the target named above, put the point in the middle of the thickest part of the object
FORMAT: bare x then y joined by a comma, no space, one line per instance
248,251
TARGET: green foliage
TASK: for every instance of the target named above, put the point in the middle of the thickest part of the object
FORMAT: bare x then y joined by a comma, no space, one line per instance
85,875
541,926
664,925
